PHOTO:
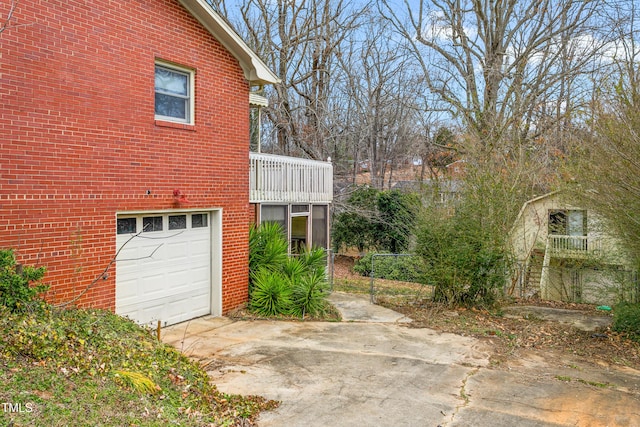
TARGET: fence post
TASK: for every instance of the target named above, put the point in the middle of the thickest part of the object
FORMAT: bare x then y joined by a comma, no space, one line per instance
372,277
332,260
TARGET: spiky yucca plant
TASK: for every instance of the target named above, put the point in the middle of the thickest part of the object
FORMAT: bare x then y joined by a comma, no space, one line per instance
267,248
314,260
309,294
271,293
280,284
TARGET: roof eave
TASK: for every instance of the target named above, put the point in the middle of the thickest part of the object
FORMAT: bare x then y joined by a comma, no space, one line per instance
530,202
255,71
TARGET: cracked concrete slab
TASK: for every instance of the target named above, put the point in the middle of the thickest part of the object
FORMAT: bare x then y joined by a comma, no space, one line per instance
358,308
348,374
374,373
559,397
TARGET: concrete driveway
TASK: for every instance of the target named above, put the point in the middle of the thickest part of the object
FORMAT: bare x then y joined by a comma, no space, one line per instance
372,370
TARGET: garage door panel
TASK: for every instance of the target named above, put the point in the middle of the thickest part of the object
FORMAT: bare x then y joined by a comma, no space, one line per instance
153,312
164,275
200,248
128,291
200,276
152,285
199,303
128,252
177,252
178,279
147,250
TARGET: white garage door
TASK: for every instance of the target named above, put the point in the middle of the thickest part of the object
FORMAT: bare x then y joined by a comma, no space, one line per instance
163,269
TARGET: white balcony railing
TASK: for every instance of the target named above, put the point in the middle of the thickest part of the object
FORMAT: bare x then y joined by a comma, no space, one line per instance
289,179
580,246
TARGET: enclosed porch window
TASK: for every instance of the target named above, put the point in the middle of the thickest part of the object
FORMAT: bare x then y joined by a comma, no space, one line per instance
305,225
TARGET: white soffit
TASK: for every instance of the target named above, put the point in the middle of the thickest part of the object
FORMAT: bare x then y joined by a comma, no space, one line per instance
258,100
255,71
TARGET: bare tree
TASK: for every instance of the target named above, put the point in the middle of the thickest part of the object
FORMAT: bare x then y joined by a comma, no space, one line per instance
380,83
607,168
438,149
347,91
4,23
301,42
498,64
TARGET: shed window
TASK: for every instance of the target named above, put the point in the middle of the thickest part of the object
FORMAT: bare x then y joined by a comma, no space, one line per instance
568,222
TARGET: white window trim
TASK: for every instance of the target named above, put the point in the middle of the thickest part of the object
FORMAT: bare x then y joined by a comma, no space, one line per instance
192,92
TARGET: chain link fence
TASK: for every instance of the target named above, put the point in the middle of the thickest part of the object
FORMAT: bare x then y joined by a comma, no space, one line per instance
393,276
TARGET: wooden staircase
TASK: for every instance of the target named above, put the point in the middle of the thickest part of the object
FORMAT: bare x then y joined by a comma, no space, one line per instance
534,273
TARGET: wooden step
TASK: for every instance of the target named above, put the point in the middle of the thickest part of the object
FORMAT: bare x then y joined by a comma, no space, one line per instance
534,271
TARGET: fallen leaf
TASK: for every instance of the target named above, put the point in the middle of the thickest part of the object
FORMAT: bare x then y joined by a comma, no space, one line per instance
43,394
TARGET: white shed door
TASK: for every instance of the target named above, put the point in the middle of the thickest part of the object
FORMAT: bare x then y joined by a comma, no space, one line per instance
163,269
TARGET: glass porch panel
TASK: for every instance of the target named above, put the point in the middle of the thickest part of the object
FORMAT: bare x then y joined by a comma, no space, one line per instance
319,226
299,234
275,213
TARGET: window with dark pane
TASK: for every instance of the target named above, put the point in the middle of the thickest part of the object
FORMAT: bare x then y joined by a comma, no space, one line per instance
299,208
275,213
319,229
126,226
172,93
151,223
199,220
177,222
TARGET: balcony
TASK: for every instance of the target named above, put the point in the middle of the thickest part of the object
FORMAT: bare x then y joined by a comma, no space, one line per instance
574,246
285,179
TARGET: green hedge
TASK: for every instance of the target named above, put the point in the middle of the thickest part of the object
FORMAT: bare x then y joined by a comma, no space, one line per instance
403,268
626,319
20,286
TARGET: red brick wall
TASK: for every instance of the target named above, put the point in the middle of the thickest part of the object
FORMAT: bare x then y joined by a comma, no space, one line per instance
79,141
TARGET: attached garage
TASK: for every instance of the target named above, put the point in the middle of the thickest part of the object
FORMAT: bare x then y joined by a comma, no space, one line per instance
168,266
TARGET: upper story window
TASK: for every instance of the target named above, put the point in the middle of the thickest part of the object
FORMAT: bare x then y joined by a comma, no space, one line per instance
174,93
568,222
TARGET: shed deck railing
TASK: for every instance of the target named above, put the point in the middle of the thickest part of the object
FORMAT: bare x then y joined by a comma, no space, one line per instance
574,246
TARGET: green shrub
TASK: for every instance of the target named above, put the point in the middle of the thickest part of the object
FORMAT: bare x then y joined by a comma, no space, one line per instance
356,226
268,247
309,294
374,219
271,293
403,268
464,264
275,277
19,286
626,319
395,226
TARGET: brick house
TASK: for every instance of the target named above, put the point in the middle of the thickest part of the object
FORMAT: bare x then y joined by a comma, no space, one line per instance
126,137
